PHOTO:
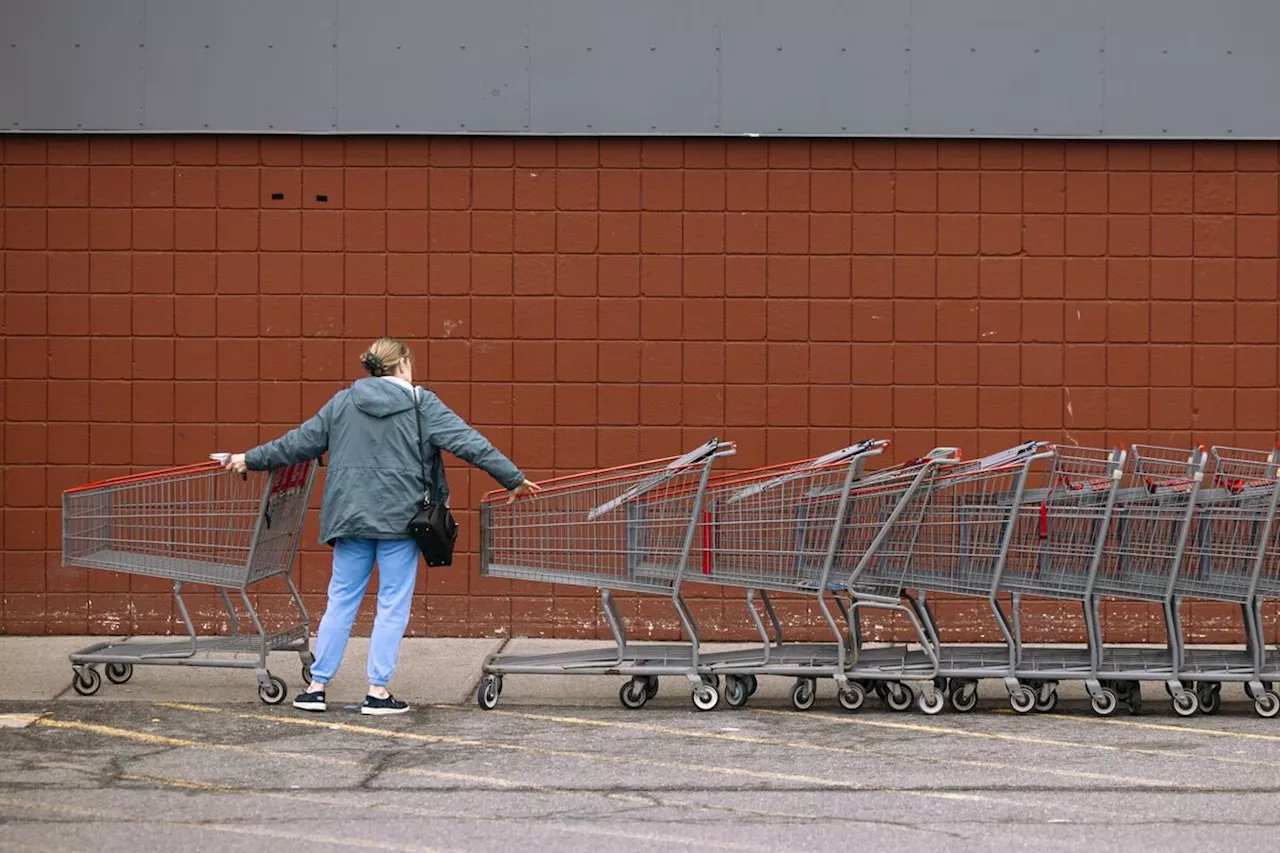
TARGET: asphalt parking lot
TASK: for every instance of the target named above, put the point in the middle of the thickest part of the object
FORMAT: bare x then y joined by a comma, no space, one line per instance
94,775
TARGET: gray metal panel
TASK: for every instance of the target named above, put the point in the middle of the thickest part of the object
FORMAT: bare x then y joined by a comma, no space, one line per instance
622,66
241,65
820,66
413,66
70,64
1007,67
1071,68
1216,78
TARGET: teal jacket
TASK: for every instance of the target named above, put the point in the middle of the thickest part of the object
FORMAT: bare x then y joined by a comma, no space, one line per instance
373,485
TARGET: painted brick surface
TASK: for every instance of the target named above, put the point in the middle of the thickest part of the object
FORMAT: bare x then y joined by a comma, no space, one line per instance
590,302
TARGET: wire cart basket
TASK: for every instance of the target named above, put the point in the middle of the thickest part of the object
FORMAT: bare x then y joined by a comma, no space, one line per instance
1227,553
950,536
194,525
789,532
629,529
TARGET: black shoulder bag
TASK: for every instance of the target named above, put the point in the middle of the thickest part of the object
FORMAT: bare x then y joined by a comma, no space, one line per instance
433,528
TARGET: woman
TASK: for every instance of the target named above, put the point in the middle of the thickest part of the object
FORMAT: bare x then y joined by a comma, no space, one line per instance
373,488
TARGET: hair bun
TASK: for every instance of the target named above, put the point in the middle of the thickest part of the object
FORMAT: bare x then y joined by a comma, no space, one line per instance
372,363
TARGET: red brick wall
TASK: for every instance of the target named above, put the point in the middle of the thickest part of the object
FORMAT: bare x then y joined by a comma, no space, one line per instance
591,302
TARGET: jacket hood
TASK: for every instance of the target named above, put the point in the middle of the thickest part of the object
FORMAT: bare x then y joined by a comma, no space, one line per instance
381,397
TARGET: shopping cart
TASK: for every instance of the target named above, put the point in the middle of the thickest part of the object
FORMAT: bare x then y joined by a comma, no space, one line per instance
1268,581
1057,541
783,532
803,533
950,537
1233,518
625,529
194,525
1144,550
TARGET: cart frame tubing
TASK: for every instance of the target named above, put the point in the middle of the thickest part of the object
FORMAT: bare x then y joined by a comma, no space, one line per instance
916,609
859,600
1092,622
828,559
1251,607
1253,610
1196,462
617,625
856,456
1008,622
591,661
1093,630
677,600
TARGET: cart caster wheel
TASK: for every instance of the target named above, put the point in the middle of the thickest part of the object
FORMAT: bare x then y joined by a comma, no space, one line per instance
1186,704
933,706
804,693
705,697
1210,700
1134,699
86,681
1045,704
272,693
650,686
487,693
1104,704
752,684
306,675
942,685
634,693
711,680
900,697
1267,705
964,698
119,673
852,697
736,691
1023,700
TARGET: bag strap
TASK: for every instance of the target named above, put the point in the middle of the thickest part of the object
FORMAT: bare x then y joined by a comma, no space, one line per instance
422,459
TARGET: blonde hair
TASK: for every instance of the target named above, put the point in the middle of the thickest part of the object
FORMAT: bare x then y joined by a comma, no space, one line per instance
384,355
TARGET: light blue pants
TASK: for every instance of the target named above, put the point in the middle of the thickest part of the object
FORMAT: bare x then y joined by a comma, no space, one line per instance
353,561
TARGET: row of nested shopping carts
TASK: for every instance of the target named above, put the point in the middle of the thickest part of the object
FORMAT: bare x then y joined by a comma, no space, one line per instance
1045,521
1075,524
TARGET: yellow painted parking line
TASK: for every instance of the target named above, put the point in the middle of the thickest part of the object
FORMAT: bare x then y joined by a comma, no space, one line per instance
108,731
165,740
650,799
1172,727
594,757
129,734
401,810
145,737
310,837
815,747
1026,739
17,721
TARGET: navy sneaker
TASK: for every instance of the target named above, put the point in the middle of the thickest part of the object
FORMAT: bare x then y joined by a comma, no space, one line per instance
310,701
380,707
